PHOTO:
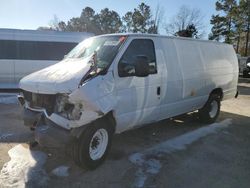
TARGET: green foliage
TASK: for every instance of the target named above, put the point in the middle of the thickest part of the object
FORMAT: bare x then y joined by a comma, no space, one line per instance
140,20
232,23
87,22
243,23
223,24
109,21
219,28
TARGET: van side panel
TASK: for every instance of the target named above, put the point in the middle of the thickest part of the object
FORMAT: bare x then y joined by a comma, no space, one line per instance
191,63
137,99
172,80
221,68
192,70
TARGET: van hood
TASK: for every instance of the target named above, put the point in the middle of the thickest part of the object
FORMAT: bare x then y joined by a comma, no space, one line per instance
63,77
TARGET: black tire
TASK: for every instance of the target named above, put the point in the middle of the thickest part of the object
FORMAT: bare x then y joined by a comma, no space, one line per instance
210,112
82,146
245,74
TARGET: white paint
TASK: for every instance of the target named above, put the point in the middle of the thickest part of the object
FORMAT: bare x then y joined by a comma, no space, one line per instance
63,77
149,165
97,150
185,85
61,171
199,67
25,169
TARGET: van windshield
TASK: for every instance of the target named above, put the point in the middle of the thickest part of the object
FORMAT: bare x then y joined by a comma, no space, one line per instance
106,48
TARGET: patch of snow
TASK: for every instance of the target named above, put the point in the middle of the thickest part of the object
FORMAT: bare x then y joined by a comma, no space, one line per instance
180,142
5,136
153,166
149,165
25,169
137,159
8,99
61,171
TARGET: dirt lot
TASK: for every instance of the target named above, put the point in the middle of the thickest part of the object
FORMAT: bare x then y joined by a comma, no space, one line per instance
179,152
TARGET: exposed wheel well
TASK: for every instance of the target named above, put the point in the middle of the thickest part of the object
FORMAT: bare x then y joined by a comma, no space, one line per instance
107,118
110,118
218,92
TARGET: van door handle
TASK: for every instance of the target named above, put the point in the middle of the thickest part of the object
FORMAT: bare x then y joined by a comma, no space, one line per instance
158,90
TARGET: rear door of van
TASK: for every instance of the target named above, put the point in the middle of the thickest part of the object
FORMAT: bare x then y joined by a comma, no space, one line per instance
138,97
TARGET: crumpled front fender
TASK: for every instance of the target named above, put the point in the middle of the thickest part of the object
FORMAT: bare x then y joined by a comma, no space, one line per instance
97,98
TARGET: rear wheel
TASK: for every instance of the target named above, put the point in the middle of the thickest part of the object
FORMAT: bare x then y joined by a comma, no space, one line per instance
211,110
90,150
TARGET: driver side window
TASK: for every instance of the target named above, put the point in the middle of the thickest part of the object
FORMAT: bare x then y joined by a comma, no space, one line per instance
137,48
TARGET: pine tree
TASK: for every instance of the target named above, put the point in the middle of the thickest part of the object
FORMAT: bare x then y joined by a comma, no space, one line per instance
244,21
223,24
140,20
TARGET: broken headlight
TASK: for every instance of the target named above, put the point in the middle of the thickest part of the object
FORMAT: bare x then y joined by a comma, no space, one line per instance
66,109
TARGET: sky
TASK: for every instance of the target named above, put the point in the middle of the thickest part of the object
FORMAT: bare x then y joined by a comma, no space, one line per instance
31,14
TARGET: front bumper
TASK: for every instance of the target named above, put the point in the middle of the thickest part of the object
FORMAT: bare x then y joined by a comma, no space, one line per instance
30,118
51,130
49,134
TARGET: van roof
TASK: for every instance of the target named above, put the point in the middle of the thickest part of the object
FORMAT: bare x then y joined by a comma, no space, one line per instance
163,36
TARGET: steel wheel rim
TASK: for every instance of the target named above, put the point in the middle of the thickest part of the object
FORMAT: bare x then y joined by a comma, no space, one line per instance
98,144
213,109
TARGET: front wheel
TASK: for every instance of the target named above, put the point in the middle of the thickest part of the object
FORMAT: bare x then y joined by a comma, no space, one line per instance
90,150
211,110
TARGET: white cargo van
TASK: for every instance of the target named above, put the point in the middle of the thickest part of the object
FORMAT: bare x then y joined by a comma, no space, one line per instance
112,83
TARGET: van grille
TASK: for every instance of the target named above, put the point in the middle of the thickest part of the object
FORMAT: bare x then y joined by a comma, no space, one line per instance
40,101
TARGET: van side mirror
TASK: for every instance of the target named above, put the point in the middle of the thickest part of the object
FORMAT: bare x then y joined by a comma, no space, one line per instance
141,66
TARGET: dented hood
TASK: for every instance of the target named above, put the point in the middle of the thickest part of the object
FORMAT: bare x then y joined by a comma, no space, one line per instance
63,77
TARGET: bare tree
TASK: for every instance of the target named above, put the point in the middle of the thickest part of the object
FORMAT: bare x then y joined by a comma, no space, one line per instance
157,19
54,23
185,18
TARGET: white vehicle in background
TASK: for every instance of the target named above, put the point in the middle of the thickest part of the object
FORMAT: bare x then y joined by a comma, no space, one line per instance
112,83
25,51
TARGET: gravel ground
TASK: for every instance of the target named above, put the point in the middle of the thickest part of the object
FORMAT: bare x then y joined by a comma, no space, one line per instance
178,152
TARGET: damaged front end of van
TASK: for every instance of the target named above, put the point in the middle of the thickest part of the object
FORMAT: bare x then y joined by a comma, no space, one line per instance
60,117
66,102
